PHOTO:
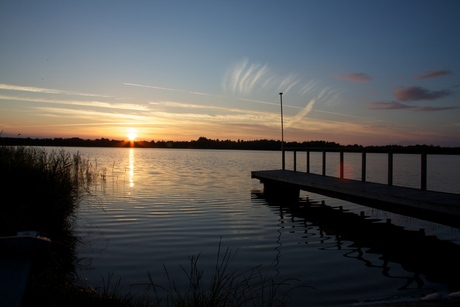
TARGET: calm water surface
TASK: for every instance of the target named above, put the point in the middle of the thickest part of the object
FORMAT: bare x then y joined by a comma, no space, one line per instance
155,207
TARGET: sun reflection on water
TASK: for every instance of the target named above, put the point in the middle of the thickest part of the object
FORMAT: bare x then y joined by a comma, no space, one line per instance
131,167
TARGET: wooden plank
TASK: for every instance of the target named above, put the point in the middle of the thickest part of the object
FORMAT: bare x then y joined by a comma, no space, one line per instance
374,194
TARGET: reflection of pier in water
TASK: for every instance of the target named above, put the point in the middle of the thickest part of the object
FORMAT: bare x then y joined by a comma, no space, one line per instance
423,255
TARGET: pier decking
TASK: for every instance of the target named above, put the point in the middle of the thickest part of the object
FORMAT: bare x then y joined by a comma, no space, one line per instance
438,205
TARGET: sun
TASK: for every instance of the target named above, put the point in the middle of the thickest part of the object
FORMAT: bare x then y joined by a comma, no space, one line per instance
132,134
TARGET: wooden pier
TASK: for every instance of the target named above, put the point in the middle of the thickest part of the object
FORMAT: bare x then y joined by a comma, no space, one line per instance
285,184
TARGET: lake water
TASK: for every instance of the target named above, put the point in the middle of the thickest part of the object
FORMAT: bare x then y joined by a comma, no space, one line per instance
156,207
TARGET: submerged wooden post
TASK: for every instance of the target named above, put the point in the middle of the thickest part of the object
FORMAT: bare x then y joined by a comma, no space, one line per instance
363,166
308,161
295,160
324,162
390,168
341,164
423,171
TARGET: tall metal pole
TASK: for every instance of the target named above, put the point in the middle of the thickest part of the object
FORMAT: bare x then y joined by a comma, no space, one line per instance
282,133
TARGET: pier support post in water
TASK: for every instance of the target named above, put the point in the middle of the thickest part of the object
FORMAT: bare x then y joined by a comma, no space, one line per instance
295,160
390,168
281,192
282,134
341,164
363,166
283,159
423,172
324,162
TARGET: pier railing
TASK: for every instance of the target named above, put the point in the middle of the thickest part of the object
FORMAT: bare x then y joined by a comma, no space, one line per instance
341,151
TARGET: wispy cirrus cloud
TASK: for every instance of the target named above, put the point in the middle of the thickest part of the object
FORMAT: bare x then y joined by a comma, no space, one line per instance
244,78
433,74
356,77
414,93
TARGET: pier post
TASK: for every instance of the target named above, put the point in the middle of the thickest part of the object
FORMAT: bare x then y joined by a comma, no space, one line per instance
283,158
341,164
308,161
423,172
324,162
390,168
295,160
363,166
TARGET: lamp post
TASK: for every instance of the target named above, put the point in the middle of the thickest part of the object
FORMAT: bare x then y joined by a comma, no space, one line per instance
282,133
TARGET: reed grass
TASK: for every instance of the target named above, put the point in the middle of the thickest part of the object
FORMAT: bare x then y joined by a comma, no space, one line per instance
225,287
42,189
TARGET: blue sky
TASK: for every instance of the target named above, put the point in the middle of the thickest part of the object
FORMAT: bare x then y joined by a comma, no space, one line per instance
364,72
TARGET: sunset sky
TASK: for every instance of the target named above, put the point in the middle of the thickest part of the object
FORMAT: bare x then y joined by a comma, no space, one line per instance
352,71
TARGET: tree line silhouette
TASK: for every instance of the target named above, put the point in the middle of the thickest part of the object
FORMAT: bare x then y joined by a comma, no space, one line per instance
205,143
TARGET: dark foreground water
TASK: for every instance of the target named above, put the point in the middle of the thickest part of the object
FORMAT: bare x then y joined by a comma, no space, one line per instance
152,208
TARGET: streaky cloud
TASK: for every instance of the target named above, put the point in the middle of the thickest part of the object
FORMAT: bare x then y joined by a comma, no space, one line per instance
392,105
205,94
321,95
434,109
32,89
200,106
433,74
302,113
170,89
414,93
92,123
89,114
342,114
239,116
99,104
156,87
356,77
